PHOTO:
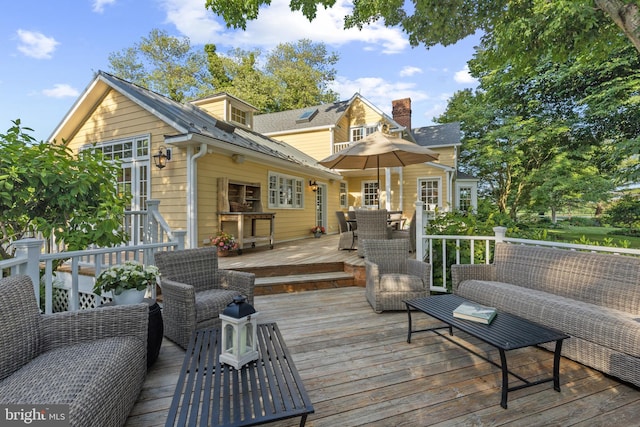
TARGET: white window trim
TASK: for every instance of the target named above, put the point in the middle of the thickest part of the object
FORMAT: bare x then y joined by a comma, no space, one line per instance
346,194
474,193
298,182
362,185
364,127
440,190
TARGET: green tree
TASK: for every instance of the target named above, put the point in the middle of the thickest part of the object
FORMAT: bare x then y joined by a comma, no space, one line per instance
295,75
45,188
566,183
561,24
164,64
624,213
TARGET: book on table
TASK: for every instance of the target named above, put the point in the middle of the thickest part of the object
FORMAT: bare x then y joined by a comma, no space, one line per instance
475,312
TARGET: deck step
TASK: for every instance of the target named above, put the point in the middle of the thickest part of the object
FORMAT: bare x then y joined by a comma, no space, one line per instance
303,282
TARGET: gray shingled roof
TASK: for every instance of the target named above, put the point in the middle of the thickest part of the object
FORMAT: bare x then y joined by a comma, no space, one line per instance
188,118
438,135
328,114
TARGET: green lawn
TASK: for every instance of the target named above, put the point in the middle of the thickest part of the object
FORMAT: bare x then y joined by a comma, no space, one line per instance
573,234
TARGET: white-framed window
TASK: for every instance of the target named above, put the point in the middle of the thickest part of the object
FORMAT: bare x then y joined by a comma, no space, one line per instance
344,195
429,193
285,191
370,194
238,115
359,132
467,196
134,156
464,198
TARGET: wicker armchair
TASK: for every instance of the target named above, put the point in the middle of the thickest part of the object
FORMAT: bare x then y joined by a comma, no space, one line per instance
92,360
347,237
392,276
372,224
195,291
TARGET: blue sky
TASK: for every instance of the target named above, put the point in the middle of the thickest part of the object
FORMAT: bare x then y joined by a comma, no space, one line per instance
49,52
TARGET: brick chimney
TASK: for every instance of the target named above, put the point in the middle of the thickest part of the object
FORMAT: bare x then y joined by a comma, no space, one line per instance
401,112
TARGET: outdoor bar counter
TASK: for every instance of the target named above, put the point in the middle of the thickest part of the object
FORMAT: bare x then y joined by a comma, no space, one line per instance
239,219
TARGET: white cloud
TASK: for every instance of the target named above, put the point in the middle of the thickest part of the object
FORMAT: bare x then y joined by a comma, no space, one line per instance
61,90
409,71
278,24
98,5
378,91
36,45
464,77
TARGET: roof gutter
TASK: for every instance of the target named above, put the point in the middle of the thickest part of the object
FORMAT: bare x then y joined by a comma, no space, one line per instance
192,197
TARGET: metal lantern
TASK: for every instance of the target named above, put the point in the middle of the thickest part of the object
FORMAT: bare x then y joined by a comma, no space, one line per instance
239,333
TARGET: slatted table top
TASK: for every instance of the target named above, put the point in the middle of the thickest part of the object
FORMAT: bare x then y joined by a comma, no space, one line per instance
266,390
506,331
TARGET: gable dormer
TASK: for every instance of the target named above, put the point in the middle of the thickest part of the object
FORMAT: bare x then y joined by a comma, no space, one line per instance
228,108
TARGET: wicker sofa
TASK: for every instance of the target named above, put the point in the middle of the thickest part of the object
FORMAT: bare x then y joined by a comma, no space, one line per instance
594,298
94,361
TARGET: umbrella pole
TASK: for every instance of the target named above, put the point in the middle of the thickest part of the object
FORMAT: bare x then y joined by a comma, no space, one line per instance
378,166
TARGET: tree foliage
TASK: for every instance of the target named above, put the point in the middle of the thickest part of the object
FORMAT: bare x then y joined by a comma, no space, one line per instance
45,188
162,63
294,75
561,25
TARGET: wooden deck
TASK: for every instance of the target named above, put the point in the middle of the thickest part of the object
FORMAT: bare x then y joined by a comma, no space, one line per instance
359,370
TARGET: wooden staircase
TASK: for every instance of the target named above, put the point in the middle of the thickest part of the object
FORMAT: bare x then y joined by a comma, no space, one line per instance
305,277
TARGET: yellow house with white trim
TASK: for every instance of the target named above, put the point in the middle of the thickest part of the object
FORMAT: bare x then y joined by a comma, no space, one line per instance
220,159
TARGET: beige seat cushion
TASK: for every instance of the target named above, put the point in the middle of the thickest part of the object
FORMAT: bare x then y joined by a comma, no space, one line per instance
400,283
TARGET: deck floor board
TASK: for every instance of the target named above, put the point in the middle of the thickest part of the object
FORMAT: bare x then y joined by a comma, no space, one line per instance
359,370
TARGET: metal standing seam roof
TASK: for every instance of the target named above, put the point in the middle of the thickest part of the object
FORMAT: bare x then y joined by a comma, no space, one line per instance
188,118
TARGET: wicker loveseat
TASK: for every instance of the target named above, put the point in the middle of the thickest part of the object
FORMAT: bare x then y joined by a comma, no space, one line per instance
594,298
94,360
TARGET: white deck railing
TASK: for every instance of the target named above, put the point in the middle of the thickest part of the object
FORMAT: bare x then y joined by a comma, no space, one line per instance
79,268
443,250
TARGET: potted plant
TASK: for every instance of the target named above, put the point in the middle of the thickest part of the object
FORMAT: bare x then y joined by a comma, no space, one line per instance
317,231
225,242
128,282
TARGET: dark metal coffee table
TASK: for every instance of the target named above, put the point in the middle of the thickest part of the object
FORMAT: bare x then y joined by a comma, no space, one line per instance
212,394
506,332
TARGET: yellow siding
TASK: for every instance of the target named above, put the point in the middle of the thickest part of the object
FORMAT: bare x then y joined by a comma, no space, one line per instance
361,114
216,109
118,118
315,143
289,223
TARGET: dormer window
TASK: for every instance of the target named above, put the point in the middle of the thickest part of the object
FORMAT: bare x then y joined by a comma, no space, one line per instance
239,116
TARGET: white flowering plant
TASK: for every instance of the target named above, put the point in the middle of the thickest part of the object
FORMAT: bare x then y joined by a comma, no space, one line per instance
130,275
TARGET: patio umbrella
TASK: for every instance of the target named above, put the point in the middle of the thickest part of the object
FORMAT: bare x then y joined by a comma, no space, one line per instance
379,150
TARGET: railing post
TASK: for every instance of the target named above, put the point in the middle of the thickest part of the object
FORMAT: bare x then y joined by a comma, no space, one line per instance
179,237
500,233
30,249
150,226
419,230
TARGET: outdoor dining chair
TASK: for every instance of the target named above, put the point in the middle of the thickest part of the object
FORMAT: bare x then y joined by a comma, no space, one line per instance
347,236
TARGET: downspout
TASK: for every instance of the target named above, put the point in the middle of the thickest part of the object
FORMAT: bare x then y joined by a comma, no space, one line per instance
192,194
451,191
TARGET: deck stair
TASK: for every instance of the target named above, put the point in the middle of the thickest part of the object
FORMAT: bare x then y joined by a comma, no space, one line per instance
301,277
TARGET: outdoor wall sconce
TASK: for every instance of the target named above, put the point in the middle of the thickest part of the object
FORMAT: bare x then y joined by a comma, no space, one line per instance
163,156
239,333
314,185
